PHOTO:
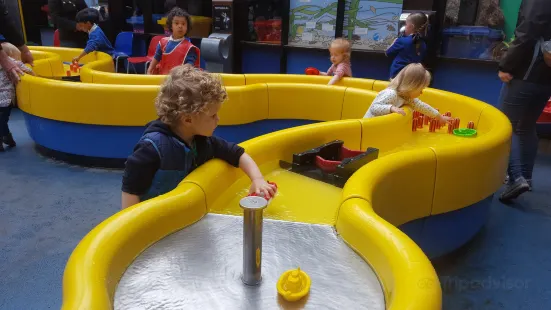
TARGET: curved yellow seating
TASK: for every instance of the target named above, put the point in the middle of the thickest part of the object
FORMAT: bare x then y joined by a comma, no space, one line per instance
415,177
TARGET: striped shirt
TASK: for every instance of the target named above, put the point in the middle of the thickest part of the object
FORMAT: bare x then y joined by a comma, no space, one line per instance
341,70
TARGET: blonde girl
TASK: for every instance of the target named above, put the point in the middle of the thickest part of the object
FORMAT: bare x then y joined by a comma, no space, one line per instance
340,58
404,89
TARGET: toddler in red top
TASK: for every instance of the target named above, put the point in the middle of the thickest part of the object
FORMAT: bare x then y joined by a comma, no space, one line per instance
340,58
175,50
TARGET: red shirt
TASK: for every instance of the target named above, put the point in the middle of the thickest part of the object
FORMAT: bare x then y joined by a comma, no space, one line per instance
175,56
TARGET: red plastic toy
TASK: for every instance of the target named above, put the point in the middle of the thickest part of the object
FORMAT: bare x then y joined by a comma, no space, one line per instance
331,165
545,117
262,194
312,71
432,126
456,123
75,67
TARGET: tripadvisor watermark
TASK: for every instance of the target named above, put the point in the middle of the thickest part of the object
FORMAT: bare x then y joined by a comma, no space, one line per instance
454,283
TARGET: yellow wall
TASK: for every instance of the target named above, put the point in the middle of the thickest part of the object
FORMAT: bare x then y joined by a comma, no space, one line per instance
408,281
245,104
356,102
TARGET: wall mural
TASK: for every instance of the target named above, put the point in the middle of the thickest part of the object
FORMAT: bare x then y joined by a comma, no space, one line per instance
368,24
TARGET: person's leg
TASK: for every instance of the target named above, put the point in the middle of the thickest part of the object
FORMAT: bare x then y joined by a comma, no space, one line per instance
7,138
523,103
513,109
4,130
527,127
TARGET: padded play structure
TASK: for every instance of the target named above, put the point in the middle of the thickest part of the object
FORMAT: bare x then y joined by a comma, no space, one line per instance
424,196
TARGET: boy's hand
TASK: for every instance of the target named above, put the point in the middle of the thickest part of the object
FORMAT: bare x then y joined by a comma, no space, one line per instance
444,119
76,59
262,188
394,109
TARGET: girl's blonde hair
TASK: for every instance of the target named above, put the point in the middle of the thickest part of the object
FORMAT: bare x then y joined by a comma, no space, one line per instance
11,50
414,77
343,45
188,91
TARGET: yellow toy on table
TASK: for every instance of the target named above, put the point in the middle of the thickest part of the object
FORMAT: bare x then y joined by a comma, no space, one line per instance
293,284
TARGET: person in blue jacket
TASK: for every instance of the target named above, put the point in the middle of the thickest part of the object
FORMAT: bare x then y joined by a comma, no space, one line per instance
410,48
87,20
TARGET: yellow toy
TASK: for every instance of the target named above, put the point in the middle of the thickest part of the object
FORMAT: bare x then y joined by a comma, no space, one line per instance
293,284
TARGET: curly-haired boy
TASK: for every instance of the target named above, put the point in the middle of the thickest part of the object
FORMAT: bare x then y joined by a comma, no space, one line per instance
181,139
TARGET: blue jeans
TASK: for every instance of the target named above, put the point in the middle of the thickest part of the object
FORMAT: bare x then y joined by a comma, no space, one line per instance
523,102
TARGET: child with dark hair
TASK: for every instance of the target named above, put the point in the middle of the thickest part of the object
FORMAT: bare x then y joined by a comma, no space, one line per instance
87,20
410,48
175,50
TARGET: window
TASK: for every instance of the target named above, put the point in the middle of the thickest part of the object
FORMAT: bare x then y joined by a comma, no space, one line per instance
264,21
371,25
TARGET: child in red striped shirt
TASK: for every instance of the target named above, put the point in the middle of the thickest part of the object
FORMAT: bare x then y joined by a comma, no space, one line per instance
340,58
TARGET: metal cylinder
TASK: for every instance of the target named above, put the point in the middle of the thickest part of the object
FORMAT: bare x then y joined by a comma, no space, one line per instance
253,209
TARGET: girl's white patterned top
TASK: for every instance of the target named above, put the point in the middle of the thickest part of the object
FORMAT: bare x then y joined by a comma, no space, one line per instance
389,97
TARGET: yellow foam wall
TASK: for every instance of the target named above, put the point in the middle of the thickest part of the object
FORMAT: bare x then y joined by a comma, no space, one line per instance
245,104
42,67
286,78
182,207
65,53
47,64
365,84
232,79
399,186
356,102
94,104
311,102
100,77
408,280
459,181
380,85
396,128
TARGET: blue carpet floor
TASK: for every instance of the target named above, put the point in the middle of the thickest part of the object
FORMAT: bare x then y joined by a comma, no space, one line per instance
46,207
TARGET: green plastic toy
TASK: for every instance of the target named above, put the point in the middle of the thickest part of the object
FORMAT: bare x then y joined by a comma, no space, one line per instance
465,132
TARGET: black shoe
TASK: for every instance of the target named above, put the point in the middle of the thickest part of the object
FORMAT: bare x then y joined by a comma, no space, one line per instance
9,140
514,190
1,147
